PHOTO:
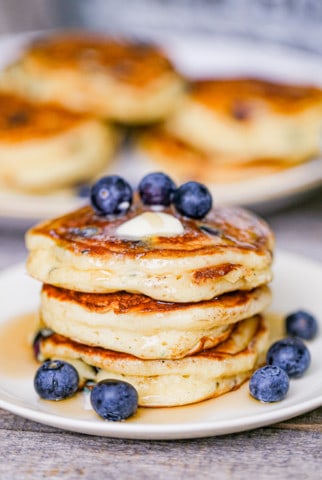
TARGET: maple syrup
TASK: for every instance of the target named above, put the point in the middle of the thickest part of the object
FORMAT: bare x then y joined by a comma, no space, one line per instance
16,353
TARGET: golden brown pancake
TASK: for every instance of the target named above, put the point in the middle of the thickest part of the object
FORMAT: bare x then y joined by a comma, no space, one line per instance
21,120
171,382
144,327
184,162
47,147
248,118
230,249
221,95
123,80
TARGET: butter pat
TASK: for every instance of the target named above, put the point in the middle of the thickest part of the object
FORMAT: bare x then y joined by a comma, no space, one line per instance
150,224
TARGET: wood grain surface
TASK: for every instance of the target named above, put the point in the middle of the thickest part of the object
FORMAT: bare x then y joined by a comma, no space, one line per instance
286,450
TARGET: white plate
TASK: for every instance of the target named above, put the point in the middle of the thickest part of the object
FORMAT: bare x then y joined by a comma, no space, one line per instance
297,285
198,57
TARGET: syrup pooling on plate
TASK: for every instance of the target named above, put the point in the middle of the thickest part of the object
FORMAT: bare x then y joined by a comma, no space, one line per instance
16,354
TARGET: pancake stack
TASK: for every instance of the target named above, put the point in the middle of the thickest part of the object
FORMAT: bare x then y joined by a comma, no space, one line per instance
175,308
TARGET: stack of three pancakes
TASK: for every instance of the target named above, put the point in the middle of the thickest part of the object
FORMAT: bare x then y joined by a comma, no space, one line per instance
177,315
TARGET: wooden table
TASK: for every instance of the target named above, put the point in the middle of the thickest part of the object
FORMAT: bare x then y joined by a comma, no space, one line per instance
291,449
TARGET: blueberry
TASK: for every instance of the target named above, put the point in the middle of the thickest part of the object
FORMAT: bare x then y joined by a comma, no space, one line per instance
156,189
290,354
269,384
301,324
114,399
111,195
56,380
42,333
193,200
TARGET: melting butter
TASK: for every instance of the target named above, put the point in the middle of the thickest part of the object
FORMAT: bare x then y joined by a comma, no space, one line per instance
150,224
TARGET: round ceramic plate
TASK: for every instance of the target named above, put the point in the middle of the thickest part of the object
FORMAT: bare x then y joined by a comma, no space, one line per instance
297,285
197,57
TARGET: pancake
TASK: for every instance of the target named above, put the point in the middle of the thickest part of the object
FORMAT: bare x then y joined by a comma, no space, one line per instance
250,119
144,327
230,249
184,162
171,382
46,147
131,82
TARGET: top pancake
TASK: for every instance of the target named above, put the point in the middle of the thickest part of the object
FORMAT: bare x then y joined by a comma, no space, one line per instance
123,80
229,249
251,119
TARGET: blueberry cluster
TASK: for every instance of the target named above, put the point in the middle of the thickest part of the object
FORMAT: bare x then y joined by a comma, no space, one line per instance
113,400
112,195
58,380
286,359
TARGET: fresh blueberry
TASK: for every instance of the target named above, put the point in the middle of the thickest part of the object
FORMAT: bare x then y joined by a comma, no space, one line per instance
301,324
290,354
193,200
42,333
114,399
111,195
56,380
269,384
156,189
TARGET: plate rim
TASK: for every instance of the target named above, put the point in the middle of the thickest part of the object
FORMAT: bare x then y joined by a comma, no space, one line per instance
158,431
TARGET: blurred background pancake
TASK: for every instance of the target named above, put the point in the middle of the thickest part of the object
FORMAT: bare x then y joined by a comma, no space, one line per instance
257,89
171,154
128,82
250,119
45,147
